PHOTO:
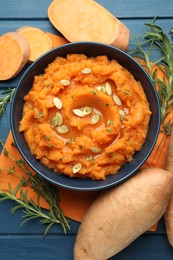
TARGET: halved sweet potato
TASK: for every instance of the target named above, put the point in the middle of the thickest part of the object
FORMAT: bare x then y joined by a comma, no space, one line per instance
56,40
39,42
86,20
14,54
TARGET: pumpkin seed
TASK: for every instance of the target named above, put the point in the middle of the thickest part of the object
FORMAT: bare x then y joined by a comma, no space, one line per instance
62,129
101,88
57,120
76,168
86,71
54,121
57,102
95,119
122,114
117,100
87,110
95,149
60,119
78,112
65,82
108,89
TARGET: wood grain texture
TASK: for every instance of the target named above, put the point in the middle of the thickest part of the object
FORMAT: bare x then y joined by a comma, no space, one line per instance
5,125
136,27
37,9
61,248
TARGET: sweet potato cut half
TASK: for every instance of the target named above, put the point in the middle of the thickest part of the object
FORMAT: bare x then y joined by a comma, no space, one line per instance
39,42
122,214
56,40
14,54
86,20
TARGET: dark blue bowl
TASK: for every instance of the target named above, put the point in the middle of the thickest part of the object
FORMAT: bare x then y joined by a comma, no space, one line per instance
89,49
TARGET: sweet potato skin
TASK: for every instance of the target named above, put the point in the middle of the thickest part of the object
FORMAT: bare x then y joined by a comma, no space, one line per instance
56,40
122,214
122,37
169,221
169,211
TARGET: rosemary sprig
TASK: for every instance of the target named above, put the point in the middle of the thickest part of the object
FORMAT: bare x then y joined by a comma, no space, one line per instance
156,39
31,210
43,189
5,97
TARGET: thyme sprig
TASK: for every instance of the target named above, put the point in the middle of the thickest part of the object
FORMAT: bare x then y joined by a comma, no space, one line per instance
5,98
43,189
156,39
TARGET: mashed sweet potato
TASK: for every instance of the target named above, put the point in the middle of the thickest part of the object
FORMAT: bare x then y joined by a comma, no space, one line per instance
85,117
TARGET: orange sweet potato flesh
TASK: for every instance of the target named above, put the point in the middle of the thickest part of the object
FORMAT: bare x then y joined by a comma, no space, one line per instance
86,20
56,40
122,214
39,42
14,54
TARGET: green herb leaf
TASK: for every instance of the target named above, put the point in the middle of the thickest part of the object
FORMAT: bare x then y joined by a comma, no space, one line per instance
5,98
156,39
31,209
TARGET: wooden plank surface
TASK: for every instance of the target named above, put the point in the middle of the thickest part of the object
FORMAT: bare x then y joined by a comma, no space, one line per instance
137,27
37,248
26,242
37,9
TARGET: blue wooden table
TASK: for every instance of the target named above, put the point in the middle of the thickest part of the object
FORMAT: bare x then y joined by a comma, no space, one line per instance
27,242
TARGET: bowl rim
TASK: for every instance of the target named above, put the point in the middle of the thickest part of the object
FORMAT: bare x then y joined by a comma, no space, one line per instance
67,183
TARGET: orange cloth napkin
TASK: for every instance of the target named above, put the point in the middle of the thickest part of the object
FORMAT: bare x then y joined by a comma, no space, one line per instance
74,204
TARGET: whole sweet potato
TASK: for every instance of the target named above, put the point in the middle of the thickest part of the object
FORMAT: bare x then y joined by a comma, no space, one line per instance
122,214
169,211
